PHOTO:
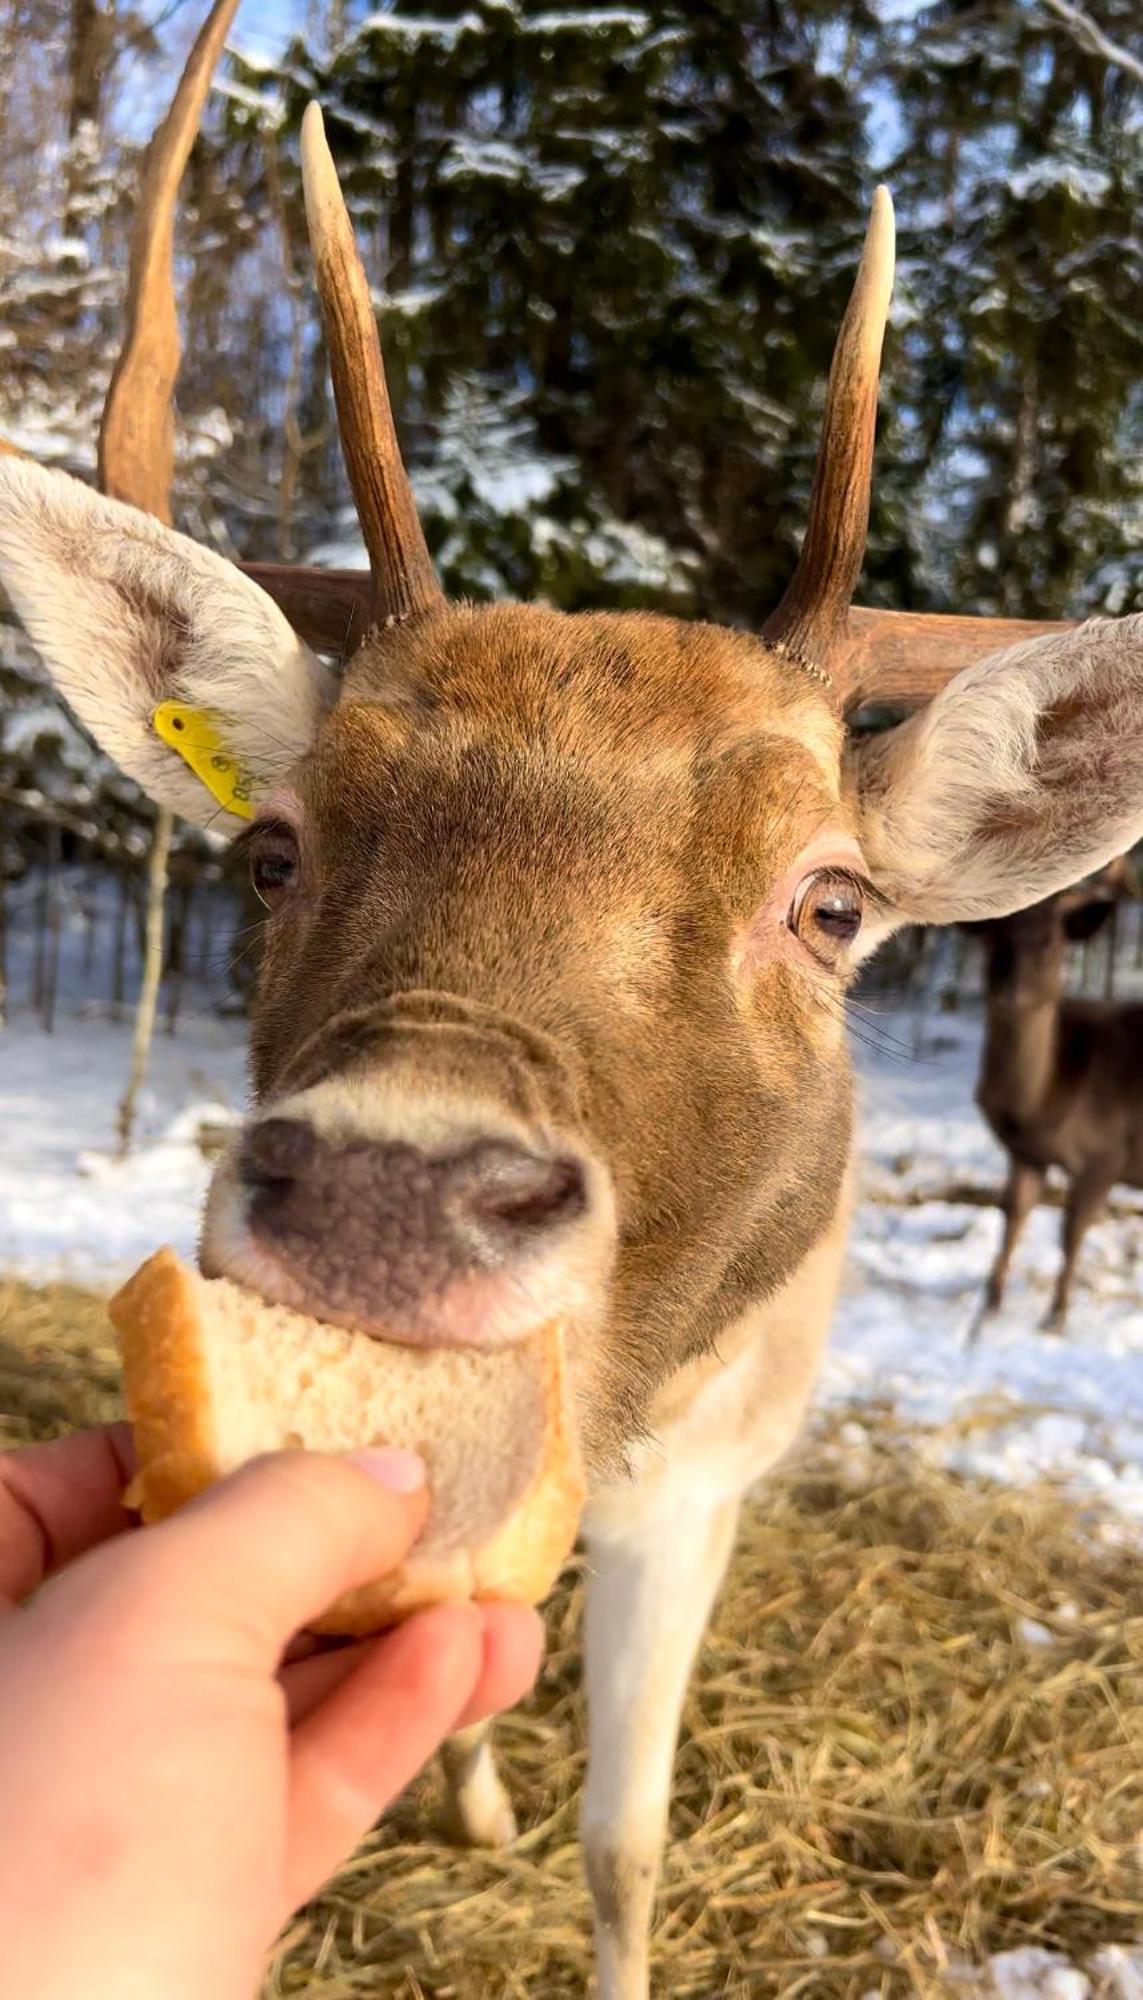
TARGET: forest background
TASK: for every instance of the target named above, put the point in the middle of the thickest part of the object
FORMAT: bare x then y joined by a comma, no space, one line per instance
610,247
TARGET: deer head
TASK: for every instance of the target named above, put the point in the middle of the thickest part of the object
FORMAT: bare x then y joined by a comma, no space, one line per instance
563,909
1024,953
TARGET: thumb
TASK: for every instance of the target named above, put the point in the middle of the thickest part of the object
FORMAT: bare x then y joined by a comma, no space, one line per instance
236,1573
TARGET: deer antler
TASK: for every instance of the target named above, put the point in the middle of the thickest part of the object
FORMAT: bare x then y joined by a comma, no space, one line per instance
404,581
903,658
811,617
136,438
899,657
137,435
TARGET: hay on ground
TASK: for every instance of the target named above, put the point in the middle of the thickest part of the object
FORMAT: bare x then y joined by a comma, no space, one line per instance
916,1738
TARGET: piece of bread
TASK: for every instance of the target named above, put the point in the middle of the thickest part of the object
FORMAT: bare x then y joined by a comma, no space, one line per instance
214,1376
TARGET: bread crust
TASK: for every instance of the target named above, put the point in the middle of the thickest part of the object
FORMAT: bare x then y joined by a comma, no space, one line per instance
157,1318
165,1386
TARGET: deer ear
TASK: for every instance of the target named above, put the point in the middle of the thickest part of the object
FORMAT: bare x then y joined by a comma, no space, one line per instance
128,615
1025,773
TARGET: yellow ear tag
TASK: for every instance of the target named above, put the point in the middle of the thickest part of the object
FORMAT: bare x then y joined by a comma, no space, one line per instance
197,737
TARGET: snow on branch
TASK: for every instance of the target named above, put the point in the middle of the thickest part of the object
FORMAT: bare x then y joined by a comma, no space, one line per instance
1090,36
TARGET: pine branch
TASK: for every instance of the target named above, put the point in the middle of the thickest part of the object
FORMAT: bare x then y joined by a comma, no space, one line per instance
1092,39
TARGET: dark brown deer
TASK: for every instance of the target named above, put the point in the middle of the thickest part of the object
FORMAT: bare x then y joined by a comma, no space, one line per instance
1061,1080
562,913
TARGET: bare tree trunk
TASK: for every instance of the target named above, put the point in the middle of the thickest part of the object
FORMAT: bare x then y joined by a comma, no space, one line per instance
152,974
1023,480
1092,40
119,948
89,45
90,912
5,824
205,937
177,954
52,945
88,40
39,954
1110,945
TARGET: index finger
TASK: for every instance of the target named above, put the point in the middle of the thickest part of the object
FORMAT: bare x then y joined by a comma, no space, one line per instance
235,1573
57,1500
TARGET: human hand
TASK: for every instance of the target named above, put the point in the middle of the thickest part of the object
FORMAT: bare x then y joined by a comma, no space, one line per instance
169,1792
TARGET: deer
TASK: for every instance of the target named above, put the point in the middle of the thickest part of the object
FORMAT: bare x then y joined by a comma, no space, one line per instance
562,908
1061,1080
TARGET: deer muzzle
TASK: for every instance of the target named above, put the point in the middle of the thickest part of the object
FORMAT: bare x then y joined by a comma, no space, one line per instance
462,1237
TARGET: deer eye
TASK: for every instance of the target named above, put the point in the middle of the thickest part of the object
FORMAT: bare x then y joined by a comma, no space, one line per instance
275,863
826,913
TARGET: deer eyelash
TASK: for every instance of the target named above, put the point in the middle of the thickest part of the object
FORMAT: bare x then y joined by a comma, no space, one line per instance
243,844
878,902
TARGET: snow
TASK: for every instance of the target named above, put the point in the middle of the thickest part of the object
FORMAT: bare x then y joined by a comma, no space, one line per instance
1021,1403
1033,1973
415,30
414,299
1087,184
51,438
22,726
268,107
412,32
1018,1405
73,248
68,1207
587,21
624,553
486,452
499,159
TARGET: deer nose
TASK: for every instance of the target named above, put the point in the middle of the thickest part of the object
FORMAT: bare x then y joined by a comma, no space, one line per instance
277,1153
376,1233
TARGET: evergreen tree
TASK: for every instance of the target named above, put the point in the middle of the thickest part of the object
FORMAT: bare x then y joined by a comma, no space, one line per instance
1028,350
611,245
615,245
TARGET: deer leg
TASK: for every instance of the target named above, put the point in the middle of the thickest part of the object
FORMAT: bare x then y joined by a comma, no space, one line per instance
478,1812
1023,1191
1086,1196
648,1600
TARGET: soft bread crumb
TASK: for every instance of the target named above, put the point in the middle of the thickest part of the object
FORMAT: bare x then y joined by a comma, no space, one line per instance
278,1380
213,1376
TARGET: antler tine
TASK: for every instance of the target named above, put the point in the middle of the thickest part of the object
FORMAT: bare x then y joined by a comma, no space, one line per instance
811,616
404,581
136,437
902,659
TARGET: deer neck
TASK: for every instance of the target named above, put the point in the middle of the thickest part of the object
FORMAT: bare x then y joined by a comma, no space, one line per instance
1020,1050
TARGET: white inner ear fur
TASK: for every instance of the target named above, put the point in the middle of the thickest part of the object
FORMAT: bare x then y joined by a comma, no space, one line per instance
1023,774
126,613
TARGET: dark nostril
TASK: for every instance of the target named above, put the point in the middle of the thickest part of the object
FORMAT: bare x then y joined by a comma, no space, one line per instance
276,1151
524,1192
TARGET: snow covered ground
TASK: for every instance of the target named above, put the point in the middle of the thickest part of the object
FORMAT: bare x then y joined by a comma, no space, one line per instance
69,1208
1021,1403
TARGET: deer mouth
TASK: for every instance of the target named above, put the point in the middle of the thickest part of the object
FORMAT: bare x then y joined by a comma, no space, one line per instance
471,1246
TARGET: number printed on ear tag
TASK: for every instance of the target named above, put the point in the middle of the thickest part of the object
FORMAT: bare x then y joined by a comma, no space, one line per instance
197,736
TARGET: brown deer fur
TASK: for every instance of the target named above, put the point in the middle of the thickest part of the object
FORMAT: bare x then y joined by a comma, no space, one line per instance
475,785
575,901
1061,1080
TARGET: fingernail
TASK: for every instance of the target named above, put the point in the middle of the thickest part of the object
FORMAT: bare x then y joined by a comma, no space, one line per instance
398,1470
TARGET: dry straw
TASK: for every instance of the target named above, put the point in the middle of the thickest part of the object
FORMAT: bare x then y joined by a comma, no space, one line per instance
916,1737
